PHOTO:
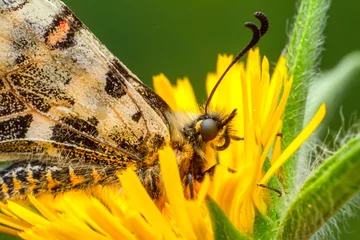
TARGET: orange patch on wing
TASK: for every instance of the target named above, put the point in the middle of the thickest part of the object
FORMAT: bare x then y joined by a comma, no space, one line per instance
75,179
60,34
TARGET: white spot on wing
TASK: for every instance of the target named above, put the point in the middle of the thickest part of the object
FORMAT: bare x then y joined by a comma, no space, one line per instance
40,128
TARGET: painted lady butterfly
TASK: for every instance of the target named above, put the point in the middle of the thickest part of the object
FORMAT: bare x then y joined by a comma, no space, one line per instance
72,115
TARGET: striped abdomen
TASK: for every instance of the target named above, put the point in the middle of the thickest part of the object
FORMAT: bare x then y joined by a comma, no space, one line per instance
34,176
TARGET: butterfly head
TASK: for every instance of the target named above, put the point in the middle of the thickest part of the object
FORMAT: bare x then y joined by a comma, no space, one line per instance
213,127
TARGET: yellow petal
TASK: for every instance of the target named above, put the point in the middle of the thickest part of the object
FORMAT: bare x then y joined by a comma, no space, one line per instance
174,191
294,145
141,201
164,89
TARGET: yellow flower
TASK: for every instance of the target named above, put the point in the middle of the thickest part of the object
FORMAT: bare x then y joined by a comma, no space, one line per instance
129,213
260,101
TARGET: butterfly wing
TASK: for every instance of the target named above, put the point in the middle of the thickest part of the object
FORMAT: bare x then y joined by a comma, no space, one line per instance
59,83
67,105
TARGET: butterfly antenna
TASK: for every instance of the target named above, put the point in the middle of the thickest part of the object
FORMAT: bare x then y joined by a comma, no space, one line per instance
257,34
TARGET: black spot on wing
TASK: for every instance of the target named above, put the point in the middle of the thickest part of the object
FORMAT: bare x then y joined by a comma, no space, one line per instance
93,121
9,104
36,101
136,117
15,128
60,34
81,125
21,59
65,135
115,86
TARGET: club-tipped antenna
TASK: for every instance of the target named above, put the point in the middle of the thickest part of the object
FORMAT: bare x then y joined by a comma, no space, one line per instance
257,34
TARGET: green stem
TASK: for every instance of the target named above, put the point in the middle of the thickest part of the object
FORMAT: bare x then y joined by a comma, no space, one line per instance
302,58
325,192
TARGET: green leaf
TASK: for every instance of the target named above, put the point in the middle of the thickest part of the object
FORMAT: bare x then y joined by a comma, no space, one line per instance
265,228
222,227
332,86
302,59
325,192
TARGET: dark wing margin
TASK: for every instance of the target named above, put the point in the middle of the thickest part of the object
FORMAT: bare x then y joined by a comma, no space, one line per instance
154,100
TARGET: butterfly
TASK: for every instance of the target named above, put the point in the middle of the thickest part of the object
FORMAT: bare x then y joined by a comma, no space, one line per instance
72,115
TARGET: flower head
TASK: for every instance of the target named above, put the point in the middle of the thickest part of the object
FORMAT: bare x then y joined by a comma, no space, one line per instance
129,213
260,101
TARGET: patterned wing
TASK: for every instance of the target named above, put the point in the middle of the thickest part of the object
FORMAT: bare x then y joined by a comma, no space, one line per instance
60,86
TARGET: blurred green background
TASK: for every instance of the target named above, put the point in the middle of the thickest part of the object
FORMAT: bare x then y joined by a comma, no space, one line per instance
183,38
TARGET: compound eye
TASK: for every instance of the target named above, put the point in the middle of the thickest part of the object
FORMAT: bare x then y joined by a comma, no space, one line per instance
208,129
